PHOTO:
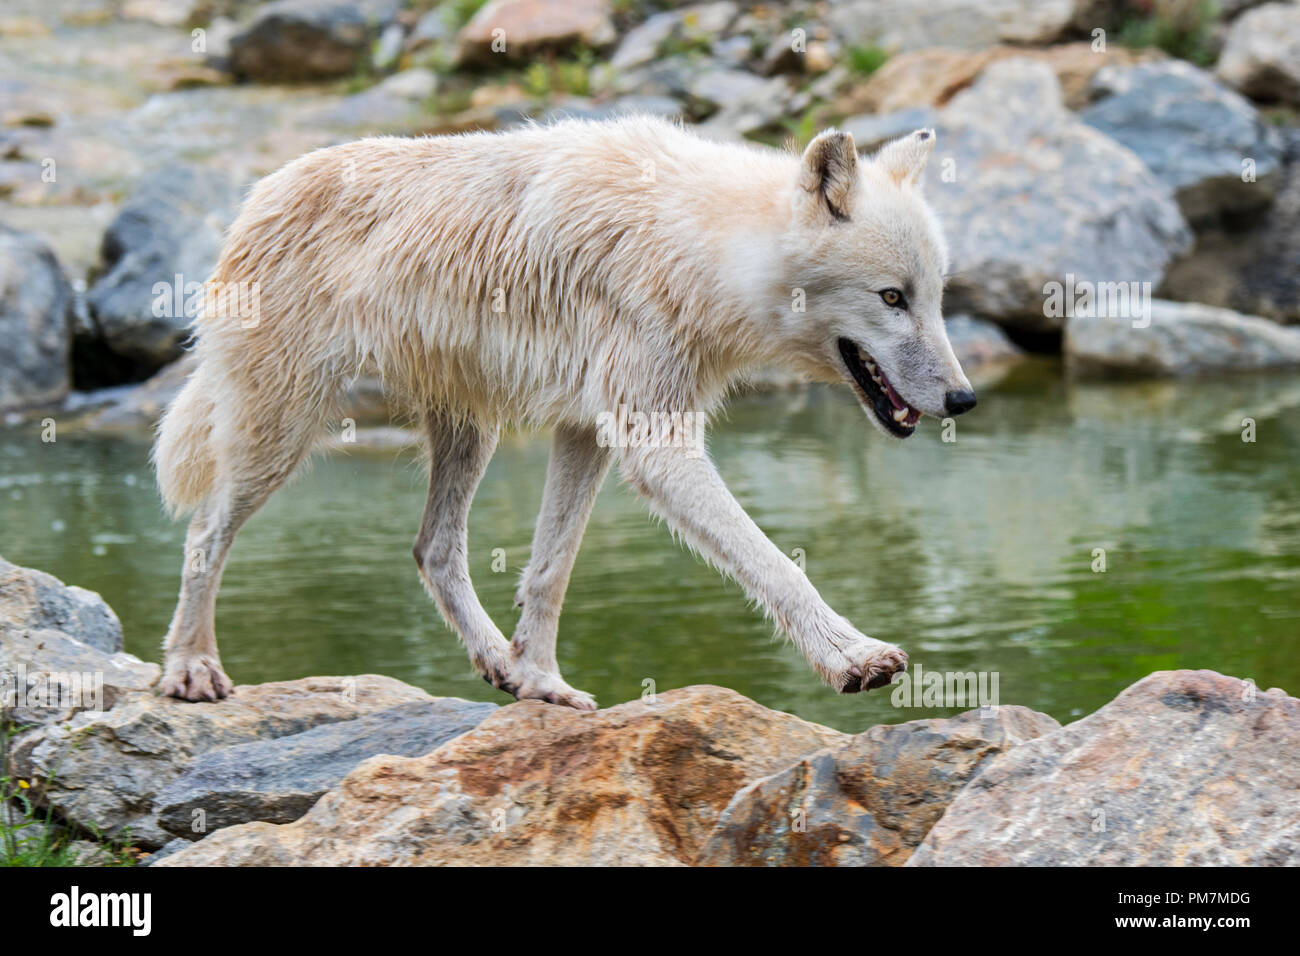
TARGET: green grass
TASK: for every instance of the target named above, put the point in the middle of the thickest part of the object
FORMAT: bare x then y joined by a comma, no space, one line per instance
865,60
1182,28
543,79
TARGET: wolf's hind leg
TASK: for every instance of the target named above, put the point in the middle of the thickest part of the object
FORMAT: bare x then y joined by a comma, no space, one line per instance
458,455
573,478
256,460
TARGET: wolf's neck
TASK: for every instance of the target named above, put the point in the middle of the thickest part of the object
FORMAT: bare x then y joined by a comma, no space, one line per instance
742,225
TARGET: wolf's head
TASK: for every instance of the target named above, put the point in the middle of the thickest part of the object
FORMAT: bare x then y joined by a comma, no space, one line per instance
869,258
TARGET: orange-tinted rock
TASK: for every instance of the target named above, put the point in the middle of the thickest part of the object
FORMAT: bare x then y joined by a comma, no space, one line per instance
516,29
869,802
640,783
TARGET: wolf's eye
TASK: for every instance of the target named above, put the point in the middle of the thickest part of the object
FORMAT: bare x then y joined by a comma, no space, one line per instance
893,298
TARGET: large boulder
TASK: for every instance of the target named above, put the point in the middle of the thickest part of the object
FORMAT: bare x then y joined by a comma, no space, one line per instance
36,304
519,29
1182,338
870,801
103,771
1251,264
1030,196
157,252
299,40
34,600
933,76
1201,139
1261,56
640,783
1184,768
278,780
964,24
60,650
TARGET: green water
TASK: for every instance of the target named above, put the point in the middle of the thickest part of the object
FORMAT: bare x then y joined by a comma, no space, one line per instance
974,555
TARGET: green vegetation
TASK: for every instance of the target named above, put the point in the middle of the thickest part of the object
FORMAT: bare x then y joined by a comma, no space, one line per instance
544,79
865,60
1182,28
29,837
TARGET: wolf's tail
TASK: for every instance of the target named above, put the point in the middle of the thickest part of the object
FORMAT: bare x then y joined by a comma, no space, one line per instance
183,456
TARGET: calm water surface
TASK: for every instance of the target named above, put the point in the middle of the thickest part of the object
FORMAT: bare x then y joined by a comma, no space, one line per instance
975,555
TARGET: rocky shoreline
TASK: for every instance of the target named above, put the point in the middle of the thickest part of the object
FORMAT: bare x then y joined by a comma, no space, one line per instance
1182,768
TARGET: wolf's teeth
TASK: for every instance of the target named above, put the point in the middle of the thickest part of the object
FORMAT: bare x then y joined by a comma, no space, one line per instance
900,414
863,356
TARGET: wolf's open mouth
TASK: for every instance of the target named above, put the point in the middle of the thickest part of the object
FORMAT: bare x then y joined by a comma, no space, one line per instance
898,417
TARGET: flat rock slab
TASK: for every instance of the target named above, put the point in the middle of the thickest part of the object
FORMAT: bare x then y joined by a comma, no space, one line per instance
1184,768
1182,338
870,802
278,780
103,771
535,784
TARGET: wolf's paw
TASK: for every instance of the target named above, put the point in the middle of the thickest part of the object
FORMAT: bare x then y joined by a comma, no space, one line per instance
195,678
873,666
528,684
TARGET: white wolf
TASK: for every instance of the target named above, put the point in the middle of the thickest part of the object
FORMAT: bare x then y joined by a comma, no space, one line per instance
554,277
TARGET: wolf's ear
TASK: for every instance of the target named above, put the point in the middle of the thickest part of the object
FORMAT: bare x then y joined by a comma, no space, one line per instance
830,171
904,159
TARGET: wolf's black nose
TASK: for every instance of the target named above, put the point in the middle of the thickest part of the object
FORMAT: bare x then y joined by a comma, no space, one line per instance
959,401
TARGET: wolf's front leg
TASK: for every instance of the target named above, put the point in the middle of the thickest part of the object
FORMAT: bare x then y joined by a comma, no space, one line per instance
577,469
686,490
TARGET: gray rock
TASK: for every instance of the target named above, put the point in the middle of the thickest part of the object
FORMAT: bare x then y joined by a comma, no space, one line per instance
641,44
1029,195
869,802
388,50
740,102
1194,134
1251,265
718,88
977,342
1261,55
35,322
1184,768
46,676
733,52
34,600
299,40
433,29
960,24
104,770
279,780
165,851
138,406
873,130
396,103
1183,338
171,226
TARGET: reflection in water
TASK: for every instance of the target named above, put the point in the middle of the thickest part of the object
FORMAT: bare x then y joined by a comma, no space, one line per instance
975,555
